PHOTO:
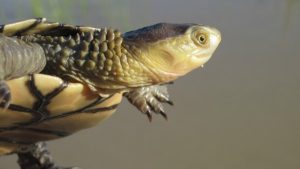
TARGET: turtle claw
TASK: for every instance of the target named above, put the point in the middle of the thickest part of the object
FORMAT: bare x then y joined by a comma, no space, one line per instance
149,116
170,102
165,116
149,100
162,96
5,96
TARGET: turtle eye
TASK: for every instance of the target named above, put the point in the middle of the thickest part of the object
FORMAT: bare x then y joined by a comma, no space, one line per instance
202,38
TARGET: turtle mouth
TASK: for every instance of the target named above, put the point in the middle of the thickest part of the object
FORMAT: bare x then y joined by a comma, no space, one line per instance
201,60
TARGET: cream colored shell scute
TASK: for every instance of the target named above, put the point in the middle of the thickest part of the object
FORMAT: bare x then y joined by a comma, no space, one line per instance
64,108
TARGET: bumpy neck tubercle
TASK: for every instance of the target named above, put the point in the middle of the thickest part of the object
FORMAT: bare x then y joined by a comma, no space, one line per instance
99,59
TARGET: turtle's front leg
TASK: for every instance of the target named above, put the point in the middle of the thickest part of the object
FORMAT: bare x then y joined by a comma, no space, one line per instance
149,100
37,156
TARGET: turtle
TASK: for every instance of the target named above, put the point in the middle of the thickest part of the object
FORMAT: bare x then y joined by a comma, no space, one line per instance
57,79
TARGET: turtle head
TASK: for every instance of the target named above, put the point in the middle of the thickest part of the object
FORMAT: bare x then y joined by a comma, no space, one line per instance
172,50
153,55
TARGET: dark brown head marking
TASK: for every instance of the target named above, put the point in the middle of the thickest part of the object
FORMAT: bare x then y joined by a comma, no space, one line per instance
156,32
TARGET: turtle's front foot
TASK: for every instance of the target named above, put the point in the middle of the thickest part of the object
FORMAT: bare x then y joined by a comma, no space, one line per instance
149,100
37,156
5,96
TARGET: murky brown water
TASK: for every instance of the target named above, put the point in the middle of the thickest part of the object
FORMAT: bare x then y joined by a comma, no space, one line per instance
241,111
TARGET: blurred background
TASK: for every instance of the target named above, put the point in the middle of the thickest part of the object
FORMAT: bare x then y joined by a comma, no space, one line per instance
241,111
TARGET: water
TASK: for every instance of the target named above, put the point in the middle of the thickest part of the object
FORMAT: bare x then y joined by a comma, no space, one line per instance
240,112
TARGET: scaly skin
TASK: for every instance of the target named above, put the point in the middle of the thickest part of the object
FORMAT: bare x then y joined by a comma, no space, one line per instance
98,59
16,54
108,61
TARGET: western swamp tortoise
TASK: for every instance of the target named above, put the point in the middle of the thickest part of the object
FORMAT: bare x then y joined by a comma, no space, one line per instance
56,79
